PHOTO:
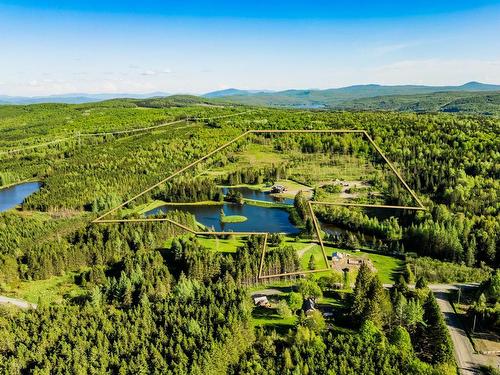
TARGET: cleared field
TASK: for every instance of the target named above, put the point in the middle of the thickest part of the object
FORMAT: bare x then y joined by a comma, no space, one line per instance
229,245
387,267
143,208
269,318
316,169
54,289
308,172
317,254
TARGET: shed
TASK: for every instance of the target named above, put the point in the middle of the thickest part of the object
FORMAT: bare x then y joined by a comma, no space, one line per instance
261,301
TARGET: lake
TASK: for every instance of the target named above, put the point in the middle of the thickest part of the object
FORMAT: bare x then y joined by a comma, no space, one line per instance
260,219
14,195
257,195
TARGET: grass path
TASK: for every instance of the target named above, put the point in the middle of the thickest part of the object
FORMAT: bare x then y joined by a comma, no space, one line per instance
301,252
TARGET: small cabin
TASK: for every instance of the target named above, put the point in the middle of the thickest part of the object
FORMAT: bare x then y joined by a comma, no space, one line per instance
261,301
336,256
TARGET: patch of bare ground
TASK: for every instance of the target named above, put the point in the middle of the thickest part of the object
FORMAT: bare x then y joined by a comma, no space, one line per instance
63,213
351,262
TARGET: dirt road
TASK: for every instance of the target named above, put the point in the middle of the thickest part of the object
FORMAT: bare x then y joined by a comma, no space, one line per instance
464,351
17,302
468,361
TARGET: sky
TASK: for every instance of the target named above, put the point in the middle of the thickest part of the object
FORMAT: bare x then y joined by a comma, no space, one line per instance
58,47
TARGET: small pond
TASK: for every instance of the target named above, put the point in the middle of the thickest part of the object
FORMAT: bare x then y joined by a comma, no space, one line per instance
260,219
14,195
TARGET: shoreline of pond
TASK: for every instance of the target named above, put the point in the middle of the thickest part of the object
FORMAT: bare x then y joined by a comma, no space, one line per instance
14,195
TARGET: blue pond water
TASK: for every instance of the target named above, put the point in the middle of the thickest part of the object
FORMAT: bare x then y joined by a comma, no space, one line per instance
14,195
260,219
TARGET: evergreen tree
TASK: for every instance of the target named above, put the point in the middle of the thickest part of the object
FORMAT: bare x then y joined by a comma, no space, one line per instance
311,264
360,292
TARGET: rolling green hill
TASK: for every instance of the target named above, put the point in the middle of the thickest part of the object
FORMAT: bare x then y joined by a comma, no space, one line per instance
362,98
485,103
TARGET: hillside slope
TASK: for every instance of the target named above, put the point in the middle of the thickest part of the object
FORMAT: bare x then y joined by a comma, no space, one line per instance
485,103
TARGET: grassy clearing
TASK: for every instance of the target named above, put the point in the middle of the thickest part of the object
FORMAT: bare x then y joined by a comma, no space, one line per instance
387,266
50,290
292,189
317,168
317,254
233,219
200,203
145,207
255,202
328,300
258,187
269,318
260,155
254,155
229,245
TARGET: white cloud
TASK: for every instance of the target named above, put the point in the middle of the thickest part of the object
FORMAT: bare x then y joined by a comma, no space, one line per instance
197,79
389,48
153,72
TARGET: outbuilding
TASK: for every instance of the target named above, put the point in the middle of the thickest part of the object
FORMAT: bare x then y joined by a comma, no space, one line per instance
261,301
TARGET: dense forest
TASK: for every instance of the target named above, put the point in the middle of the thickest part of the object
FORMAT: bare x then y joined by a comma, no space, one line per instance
145,315
154,299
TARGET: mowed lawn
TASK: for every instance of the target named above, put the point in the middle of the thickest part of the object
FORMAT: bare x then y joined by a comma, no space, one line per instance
319,259
305,248
269,317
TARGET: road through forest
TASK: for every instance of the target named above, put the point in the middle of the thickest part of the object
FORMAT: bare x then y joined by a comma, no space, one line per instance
17,302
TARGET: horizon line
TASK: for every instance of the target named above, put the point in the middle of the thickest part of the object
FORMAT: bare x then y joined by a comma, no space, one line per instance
262,90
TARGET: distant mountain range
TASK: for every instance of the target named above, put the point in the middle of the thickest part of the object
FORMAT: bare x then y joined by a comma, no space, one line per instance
234,92
472,97
75,98
464,102
334,97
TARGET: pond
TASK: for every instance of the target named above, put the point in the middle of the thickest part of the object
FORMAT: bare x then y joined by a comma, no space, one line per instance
257,195
260,219
12,196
